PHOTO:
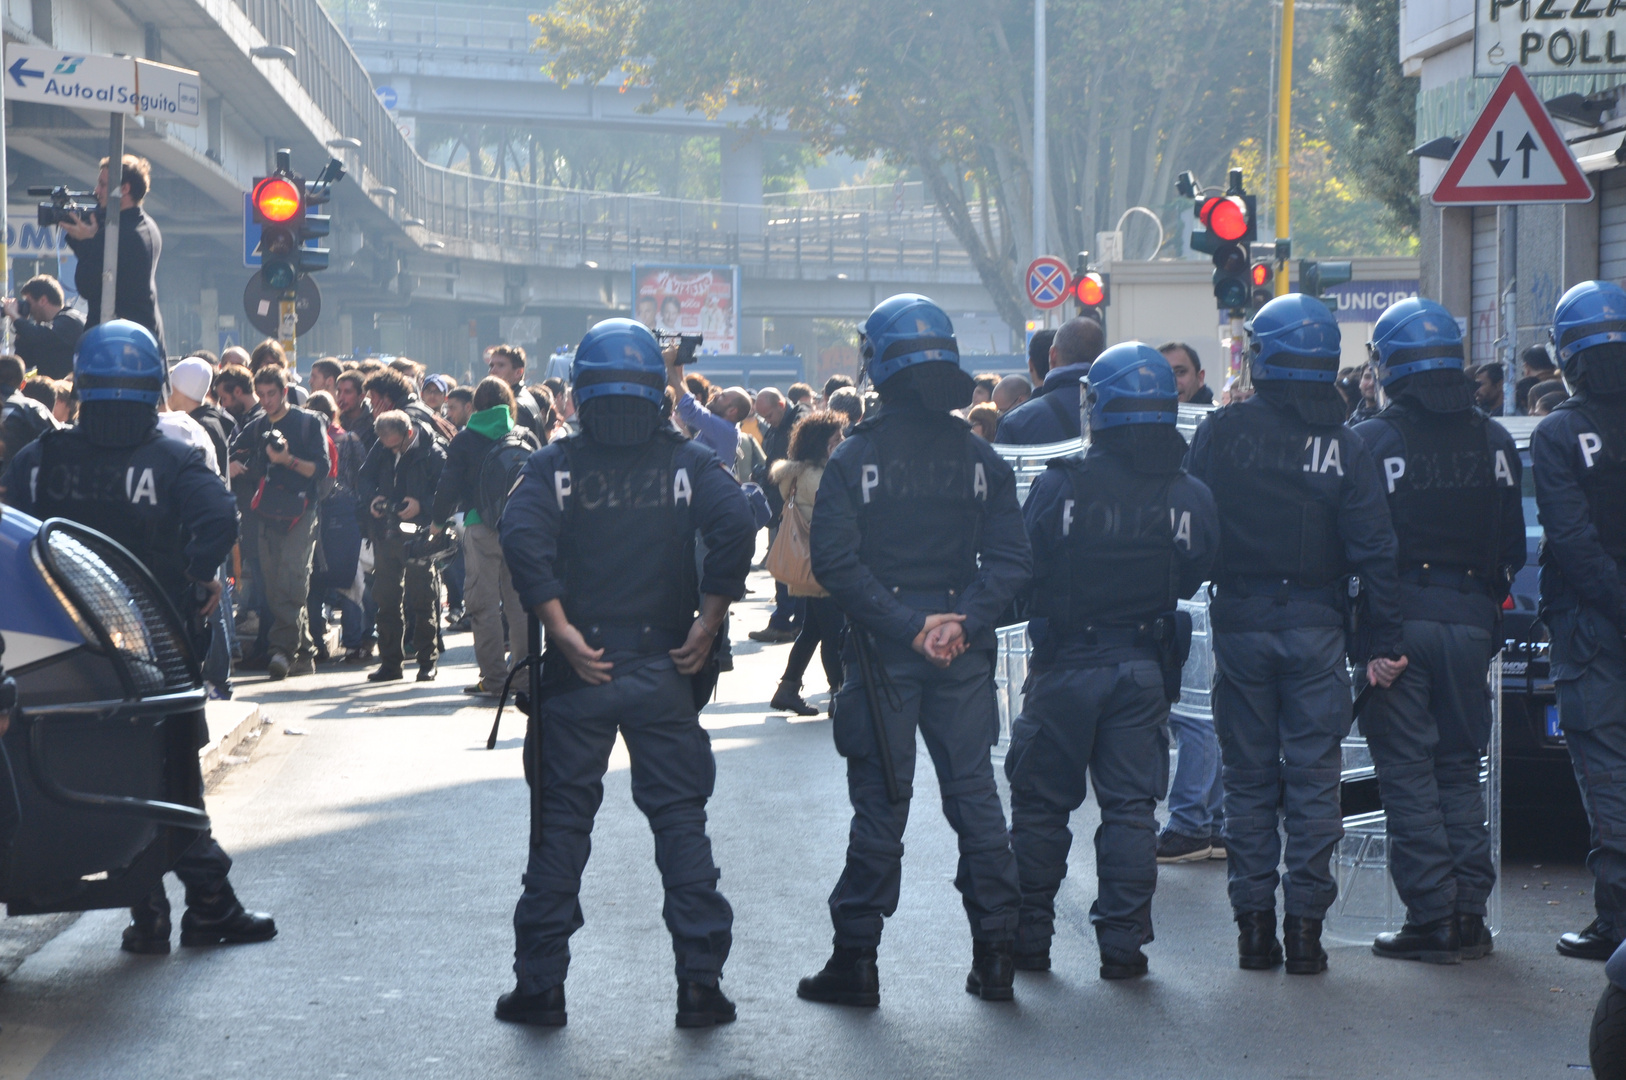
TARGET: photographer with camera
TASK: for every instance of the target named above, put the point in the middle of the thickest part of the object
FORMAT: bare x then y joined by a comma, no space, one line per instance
46,330
397,485
276,460
136,294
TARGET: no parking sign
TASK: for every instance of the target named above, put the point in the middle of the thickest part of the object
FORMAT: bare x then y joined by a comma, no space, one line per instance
1049,282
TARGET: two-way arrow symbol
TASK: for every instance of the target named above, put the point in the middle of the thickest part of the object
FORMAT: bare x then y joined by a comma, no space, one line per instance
1527,146
19,70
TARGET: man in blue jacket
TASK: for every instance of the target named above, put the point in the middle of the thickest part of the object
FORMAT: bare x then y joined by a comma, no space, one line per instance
1051,414
1578,456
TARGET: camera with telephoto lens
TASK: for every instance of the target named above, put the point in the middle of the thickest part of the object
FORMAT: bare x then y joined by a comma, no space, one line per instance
686,343
62,210
274,440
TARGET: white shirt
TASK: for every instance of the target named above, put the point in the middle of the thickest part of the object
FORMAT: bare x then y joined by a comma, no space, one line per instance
179,426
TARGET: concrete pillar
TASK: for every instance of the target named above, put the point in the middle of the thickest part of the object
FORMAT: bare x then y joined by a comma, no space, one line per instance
1448,252
209,319
742,181
1581,227
1540,271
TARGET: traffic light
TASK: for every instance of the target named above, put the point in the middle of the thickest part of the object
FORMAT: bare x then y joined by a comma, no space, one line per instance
1230,223
1093,291
1315,276
1262,290
318,192
279,210
1232,279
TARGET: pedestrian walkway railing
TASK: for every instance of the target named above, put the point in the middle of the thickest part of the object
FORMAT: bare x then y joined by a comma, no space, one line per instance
886,233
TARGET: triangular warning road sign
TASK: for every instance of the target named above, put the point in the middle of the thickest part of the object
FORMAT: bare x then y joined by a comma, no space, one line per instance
1513,154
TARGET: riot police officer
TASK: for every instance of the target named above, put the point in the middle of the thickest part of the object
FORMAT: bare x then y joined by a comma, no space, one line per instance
1578,456
1120,534
599,534
1301,506
115,472
918,537
1452,477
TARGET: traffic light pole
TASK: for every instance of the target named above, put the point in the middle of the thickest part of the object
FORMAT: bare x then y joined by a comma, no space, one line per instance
1284,131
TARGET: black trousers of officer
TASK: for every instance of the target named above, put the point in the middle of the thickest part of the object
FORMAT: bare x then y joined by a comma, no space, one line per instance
203,867
1282,707
1589,671
1110,722
1426,734
956,713
652,705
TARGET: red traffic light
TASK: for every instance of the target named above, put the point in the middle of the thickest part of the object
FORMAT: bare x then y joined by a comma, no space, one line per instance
276,199
1226,217
1261,274
1089,290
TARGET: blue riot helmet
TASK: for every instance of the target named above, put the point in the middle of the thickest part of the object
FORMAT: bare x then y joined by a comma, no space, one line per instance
1294,347
120,376
1130,383
618,380
119,361
909,333
1416,350
1130,403
1589,331
1294,338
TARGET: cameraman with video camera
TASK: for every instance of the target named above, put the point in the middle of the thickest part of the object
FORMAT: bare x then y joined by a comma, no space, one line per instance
46,329
397,485
136,294
277,458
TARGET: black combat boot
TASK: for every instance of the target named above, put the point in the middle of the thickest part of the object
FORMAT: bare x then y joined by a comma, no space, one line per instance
1121,965
1597,942
1474,935
1032,959
1301,938
546,1009
1437,942
701,1006
148,932
848,978
221,920
993,971
1256,946
788,698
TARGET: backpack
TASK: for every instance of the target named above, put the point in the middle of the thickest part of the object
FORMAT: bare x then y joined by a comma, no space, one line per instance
499,471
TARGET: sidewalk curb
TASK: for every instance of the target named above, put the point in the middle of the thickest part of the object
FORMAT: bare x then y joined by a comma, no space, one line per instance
230,722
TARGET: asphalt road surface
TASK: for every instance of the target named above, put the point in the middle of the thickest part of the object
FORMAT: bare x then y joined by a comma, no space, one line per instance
389,844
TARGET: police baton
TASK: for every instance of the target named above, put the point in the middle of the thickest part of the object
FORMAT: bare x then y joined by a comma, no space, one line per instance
872,697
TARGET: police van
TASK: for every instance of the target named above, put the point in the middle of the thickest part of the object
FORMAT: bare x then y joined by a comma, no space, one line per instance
106,700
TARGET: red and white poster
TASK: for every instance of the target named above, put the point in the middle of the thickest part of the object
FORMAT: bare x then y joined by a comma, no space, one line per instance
690,300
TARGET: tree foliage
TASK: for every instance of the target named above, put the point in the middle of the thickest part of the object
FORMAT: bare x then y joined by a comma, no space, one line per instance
1137,93
1378,119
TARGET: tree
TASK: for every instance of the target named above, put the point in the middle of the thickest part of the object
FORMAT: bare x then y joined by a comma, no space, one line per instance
1138,92
1379,108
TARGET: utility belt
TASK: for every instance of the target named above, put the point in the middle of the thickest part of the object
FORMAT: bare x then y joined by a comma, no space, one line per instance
1449,577
1280,591
1167,638
640,639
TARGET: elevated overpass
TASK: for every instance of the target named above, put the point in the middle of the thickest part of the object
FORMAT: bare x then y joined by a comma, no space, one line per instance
427,260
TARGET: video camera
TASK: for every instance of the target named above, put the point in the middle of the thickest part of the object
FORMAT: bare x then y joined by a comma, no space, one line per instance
62,210
686,343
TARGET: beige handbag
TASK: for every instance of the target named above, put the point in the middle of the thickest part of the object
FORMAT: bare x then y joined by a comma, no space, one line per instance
790,557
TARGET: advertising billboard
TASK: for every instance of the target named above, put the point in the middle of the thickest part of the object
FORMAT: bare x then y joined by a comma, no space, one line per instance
690,300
